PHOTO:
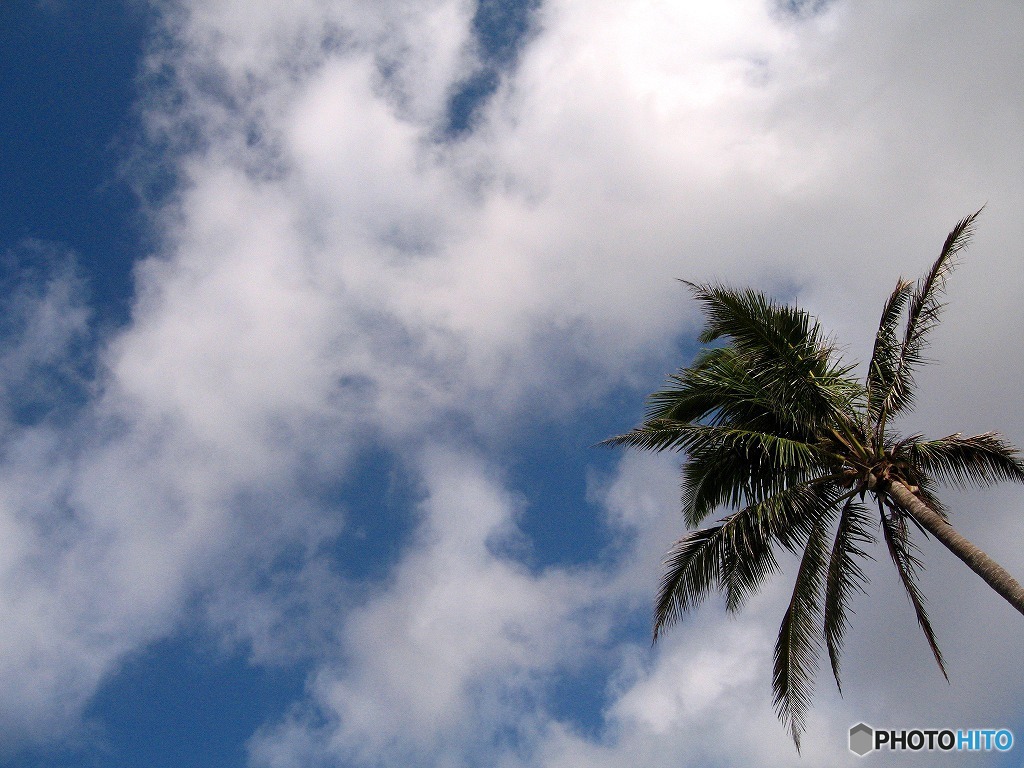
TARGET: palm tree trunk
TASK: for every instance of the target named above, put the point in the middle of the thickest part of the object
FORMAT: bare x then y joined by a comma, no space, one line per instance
994,574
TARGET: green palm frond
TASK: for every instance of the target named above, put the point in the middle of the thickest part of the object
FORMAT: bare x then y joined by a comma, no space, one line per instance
903,553
654,435
785,520
735,467
884,364
758,447
773,452
693,567
845,576
797,647
782,348
712,480
755,323
923,314
716,475
749,560
711,387
726,386
736,555
981,460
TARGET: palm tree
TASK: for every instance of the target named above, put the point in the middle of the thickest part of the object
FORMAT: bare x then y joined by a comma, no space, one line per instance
779,430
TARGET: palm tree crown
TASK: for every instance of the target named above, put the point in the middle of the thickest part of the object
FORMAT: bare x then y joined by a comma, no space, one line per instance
779,430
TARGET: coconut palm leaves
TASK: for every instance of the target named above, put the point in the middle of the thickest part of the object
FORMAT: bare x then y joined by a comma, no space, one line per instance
779,430
890,381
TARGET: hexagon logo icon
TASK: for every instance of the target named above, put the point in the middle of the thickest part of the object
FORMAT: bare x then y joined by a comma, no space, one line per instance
861,739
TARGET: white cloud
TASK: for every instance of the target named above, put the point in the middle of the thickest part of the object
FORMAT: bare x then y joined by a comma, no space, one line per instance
331,273
444,656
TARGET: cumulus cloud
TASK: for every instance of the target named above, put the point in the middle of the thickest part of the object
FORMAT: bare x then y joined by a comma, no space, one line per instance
444,657
334,272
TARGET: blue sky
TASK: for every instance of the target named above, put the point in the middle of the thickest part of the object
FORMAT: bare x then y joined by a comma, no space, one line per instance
314,311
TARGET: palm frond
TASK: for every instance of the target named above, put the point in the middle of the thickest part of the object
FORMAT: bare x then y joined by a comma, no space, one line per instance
717,391
654,435
713,382
728,386
733,466
981,460
736,555
797,647
749,561
926,305
923,314
754,322
902,550
693,567
757,446
782,347
738,470
883,366
785,520
714,479
845,576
